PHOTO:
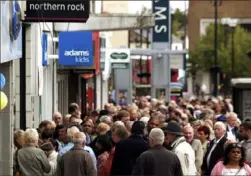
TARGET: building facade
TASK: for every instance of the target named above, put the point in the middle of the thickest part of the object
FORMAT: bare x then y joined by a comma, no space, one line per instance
201,14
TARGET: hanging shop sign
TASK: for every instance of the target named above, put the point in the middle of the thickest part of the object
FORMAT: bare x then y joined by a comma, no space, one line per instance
11,31
45,49
76,49
57,11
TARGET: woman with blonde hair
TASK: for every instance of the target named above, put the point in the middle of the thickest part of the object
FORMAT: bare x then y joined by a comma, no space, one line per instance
30,159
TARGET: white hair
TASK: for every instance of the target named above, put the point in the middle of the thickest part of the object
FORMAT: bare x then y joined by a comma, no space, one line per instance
232,114
79,138
220,124
118,123
30,136
157,136
144,119
105,118
71,132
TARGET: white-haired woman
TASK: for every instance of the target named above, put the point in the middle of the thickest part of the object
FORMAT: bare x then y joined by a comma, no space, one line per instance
30,159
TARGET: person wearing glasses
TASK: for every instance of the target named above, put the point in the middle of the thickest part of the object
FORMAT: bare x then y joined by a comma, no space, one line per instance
233,162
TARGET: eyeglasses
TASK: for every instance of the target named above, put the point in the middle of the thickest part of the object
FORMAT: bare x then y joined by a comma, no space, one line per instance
233,145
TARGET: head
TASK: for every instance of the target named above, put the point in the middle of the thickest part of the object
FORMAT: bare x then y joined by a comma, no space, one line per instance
156,137
124,116
74,120
71,132
74,109
57,118
19,138
219,129
66,119
245,129
203,133
61,134
106,119
47,135
234,153
47,147
153,122
46,124
172,132
188,133
119,134
102,128
31,137
138,128
103,144
231,119
88,126
79,139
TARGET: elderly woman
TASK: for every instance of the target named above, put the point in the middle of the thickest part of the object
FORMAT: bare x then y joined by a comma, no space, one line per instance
233,162
30,159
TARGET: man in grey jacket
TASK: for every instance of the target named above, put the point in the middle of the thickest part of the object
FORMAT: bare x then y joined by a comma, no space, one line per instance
157,161
76,161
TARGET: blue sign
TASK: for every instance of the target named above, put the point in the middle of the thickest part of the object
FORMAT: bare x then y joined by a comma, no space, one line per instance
44,49
2,81
75,49
161,10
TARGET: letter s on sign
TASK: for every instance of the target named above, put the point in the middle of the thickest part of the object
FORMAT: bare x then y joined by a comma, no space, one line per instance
159,29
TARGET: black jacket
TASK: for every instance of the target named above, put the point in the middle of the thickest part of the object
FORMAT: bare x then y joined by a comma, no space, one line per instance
126,153
216,155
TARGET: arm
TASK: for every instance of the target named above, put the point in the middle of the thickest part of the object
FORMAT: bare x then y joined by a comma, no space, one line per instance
60,167
178,169
199,156
138,170
44,162
90,169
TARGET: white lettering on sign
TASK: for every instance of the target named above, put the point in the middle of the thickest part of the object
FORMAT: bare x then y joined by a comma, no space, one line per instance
76,53
160,15
82,60
57,7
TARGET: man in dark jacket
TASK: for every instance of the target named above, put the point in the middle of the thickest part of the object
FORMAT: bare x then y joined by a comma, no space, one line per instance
128,150
215,151
157,161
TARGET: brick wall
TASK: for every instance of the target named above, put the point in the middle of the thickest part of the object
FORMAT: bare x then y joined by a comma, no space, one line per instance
205,9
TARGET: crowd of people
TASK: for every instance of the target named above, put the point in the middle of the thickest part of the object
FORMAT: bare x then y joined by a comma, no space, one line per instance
149,137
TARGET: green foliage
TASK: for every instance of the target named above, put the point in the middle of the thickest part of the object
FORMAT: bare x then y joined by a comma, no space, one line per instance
179,22
203,54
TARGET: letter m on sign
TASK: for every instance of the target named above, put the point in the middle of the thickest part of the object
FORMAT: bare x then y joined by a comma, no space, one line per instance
161,29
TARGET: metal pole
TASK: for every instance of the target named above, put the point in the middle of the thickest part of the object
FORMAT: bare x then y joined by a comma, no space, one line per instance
22,67
140,61
215,93
233,54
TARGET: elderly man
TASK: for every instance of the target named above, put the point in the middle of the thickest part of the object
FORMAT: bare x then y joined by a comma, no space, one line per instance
196,145
157,161
70,133
82,164
216,149
57,118
178,144
232,130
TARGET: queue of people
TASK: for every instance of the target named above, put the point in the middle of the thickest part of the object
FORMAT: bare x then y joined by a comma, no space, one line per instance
149,137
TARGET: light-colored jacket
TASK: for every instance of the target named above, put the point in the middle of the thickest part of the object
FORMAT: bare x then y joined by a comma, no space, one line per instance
53,162
197,147
186,156
217,170
32,161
